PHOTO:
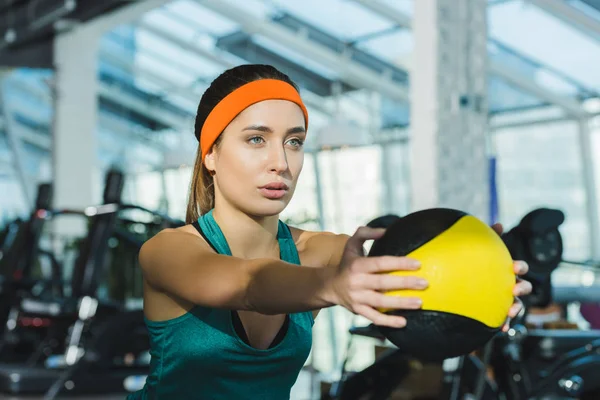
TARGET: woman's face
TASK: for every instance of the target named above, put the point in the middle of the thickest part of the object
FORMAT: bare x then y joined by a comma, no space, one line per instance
259,158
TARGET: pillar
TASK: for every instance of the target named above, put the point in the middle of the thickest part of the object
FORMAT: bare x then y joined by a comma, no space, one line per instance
449,112
75,121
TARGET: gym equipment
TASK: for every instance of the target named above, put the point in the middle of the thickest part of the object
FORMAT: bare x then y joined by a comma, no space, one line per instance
537,239
591,313
125,276
384,221
7,234
470,275
54,313
84,344
20,253
20,247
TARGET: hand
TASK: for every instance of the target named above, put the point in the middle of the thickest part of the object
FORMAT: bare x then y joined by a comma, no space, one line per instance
522,287
358,282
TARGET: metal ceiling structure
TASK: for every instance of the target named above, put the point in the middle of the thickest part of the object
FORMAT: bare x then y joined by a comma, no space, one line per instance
352,59
30,26
571,15
502,70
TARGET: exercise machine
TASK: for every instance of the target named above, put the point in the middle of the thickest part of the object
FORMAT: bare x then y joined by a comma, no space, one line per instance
20,254
83,344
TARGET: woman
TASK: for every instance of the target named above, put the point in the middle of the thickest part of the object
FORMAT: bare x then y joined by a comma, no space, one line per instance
230,299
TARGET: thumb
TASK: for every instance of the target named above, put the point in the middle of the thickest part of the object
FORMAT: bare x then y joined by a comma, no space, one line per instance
498,228
354,245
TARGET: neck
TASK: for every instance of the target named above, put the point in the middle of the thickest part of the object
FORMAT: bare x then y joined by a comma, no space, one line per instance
248,236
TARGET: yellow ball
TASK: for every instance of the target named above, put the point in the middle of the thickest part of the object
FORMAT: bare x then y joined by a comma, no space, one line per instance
471,279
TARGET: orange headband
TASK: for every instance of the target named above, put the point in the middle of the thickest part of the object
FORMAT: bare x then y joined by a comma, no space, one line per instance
242,98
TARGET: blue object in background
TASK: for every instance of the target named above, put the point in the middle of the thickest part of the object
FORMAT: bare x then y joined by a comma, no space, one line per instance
493,191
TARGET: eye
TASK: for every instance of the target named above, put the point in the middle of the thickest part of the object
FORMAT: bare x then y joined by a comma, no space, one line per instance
295,142
256,140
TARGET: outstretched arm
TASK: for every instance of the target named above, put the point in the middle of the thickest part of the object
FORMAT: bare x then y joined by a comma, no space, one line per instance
182,265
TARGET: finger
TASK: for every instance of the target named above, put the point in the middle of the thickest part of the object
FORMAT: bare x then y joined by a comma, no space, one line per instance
379,300
386,282
380,319
355,242
387,264
515,309
522,288
520,267
498,228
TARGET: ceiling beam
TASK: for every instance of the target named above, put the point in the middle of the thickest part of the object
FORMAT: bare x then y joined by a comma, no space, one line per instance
499,69
144,73
124,15
219,58
121,127
116,94
572,16
348,71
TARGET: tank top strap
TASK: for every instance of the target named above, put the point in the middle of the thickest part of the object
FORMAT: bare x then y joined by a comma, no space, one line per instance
287,247
213,233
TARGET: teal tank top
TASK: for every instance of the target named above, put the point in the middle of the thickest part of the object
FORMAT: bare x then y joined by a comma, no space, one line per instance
200,356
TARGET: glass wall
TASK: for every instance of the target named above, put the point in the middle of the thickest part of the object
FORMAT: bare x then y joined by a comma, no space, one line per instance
540,166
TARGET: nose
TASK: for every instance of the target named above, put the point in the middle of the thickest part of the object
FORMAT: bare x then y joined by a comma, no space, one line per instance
278,160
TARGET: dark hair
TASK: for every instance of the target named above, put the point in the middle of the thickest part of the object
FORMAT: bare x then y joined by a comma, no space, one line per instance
202,192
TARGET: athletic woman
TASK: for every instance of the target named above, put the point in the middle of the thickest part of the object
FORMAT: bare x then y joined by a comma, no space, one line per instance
230,299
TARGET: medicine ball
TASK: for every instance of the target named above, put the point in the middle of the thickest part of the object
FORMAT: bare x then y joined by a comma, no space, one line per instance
471,279
383,221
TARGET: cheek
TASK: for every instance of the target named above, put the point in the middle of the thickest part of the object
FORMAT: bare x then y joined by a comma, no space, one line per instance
296,163
238,168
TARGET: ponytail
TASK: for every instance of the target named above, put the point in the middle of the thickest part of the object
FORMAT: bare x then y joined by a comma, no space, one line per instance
202,191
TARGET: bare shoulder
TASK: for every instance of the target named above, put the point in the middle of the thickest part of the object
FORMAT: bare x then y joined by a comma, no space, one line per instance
318,248
187,231
171,242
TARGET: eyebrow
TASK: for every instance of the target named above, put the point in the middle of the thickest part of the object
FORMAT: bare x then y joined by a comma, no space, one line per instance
266,129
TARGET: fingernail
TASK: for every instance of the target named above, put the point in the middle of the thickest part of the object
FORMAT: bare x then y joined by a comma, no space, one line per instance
401,323
415,263
416,302
522,267
422,283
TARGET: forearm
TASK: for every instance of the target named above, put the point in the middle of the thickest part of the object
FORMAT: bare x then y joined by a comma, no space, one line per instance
279,288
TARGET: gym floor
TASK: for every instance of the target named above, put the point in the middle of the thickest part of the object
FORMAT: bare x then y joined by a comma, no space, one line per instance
301,391
115,397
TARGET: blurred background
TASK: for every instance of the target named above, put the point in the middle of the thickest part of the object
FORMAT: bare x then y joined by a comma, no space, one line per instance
491,107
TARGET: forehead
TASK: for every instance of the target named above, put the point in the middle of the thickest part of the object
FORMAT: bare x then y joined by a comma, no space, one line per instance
271,113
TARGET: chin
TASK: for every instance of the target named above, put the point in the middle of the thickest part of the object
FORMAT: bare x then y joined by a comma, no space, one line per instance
266,208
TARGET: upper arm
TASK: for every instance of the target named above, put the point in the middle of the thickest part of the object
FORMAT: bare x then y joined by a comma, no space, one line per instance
325,249
182,264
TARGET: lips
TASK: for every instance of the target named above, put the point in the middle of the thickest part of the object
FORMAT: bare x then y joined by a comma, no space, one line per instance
275,186
274,190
